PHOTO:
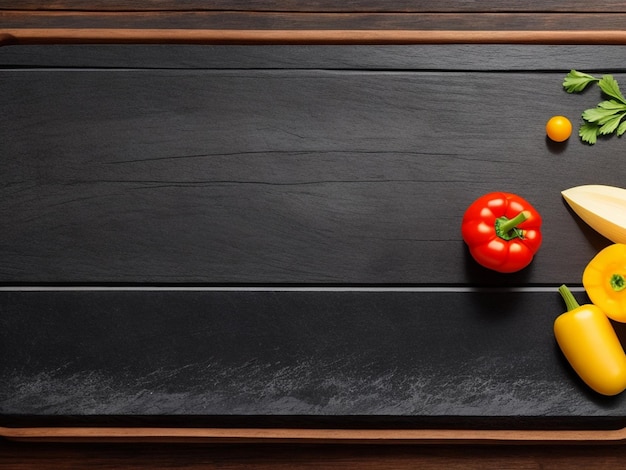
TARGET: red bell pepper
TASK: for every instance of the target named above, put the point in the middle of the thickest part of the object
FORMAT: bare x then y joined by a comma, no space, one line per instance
502,231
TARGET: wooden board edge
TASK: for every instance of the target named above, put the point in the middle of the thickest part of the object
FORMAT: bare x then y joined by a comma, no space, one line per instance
31,36
318,436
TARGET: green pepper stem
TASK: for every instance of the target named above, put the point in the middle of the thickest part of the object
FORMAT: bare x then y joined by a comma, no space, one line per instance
510,224
618,283
568,297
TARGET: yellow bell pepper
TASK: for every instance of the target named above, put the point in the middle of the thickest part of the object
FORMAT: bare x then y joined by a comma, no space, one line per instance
604,280
590,344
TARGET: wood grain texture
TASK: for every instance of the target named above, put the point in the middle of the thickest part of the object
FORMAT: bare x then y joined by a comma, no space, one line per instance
244,21
314,23
325,177
449,57
352,6
18,456
250,435
36,36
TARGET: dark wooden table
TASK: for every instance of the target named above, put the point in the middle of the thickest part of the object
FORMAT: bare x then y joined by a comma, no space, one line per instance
76,203
325,21
274,456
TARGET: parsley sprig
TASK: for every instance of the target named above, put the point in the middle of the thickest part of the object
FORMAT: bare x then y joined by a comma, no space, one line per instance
607,116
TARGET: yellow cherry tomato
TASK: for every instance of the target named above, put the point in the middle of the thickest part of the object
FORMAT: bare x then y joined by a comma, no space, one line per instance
591,346
559,128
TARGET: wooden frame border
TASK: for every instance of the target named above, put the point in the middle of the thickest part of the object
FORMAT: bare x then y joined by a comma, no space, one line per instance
30,36
312,436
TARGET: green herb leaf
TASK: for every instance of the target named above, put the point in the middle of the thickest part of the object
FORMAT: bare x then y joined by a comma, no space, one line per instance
607,116
588,132
606,119
576,81
609,86
597,114
612,104
609,126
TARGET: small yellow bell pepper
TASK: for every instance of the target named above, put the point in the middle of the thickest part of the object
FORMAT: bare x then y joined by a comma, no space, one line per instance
590,344
604,280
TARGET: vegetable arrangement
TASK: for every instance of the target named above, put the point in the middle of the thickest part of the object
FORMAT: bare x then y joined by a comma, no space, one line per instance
585,334
503,233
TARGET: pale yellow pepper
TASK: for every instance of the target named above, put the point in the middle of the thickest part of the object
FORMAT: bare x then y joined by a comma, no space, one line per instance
604,280
590,344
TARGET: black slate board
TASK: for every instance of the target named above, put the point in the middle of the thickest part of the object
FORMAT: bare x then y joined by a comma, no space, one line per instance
291,358
299,216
